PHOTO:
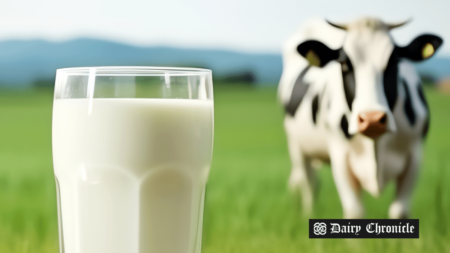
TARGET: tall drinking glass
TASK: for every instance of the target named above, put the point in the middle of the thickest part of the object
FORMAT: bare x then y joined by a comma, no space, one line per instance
132,150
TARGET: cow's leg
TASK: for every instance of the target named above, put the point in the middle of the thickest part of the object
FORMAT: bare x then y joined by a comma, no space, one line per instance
399,209
302,176
347,186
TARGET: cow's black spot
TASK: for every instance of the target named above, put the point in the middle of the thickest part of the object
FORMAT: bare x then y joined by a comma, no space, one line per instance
298,92
344,127
390,80
315,108
323,52
348,78
426,126
408,107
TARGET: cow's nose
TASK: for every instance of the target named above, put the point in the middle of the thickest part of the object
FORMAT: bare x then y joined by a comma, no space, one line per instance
372,124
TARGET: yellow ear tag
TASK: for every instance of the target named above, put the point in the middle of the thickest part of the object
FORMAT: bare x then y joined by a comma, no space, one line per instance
312,58
427,51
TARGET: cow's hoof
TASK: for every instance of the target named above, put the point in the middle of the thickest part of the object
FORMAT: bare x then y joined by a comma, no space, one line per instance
398,210
356,211
303,205
354,215
302,191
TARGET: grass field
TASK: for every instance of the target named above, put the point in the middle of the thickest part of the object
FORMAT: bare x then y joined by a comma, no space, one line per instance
248,207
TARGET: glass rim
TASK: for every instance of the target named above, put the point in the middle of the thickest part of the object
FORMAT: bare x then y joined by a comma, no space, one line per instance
134,71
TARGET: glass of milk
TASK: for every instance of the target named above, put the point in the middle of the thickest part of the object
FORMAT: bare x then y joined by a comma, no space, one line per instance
132,150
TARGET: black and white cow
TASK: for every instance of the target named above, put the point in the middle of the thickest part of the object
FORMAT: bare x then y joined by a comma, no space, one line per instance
353,98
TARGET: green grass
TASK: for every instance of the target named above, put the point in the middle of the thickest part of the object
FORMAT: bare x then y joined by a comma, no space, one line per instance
248,206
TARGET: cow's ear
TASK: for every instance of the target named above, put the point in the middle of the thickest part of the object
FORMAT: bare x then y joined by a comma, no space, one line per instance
317,53
421,48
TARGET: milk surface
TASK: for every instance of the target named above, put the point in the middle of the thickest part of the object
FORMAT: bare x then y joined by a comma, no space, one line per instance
131,173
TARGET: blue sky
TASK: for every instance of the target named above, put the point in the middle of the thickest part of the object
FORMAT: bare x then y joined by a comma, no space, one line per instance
244,25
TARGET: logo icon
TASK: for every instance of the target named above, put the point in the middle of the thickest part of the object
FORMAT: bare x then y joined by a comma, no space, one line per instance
320,228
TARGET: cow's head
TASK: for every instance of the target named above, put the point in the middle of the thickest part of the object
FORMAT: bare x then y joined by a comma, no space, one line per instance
369,62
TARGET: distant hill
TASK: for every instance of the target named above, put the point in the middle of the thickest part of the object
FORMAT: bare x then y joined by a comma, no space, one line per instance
438,67
25,62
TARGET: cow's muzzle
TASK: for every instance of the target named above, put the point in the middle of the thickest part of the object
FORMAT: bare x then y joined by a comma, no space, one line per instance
372,124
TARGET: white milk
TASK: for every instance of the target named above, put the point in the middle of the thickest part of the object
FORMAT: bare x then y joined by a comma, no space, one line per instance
131,173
